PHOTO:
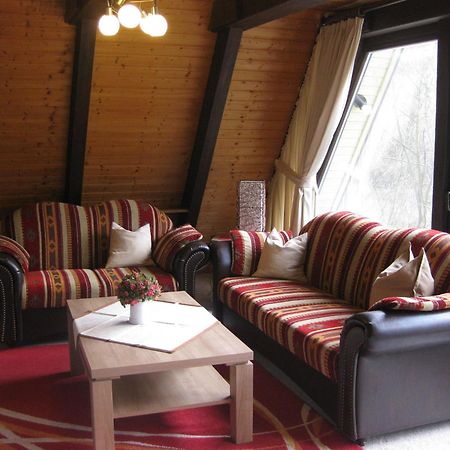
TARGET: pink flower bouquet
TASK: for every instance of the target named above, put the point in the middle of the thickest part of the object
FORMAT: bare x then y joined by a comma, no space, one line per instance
138,287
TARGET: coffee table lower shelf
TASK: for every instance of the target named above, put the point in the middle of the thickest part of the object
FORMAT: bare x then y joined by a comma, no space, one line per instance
135,395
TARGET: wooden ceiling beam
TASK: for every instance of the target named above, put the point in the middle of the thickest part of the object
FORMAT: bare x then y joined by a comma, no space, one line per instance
246,14
79,108
84,9
214,100
229,18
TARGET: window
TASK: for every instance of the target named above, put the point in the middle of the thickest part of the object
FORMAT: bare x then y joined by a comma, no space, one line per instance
382,162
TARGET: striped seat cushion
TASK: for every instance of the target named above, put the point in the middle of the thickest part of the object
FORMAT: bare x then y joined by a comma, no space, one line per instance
52,288
306,321
111,277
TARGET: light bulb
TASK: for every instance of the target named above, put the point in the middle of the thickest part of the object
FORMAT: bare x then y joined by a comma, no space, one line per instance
145,23
154,24
108,24
129,16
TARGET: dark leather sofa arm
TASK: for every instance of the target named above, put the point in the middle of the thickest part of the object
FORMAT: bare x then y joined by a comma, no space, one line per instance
403,358
187,261
11,281
392,331
221,258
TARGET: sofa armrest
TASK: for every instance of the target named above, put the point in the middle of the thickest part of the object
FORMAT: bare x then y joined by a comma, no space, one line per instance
392,331
409,351
187,261
221,259
11,282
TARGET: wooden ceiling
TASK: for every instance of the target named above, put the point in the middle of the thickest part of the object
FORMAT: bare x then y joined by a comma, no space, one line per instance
145,104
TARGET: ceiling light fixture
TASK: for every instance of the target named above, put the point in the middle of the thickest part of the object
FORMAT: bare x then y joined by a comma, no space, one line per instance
131,14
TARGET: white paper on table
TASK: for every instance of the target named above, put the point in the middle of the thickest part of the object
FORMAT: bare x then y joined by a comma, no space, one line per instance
168,325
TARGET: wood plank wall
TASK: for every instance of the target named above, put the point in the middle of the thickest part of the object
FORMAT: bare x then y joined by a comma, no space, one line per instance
271,64
145,102
146,98
36,50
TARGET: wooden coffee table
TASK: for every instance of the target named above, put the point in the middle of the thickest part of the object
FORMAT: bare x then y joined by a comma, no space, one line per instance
130,381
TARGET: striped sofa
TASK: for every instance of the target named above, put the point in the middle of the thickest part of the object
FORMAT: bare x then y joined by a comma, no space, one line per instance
372,371
51,252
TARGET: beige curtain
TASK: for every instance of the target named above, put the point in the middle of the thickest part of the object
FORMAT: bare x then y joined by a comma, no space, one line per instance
321,102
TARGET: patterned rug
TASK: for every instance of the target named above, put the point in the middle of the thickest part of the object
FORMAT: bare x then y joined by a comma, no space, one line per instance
43,407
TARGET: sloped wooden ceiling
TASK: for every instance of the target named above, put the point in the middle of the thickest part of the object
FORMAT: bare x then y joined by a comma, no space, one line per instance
36,50
145,103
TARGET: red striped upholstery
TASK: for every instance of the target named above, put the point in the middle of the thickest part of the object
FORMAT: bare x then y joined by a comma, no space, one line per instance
59,235
246,249
172,242
304,320
424,304
51,288
346,252
11,247
111,277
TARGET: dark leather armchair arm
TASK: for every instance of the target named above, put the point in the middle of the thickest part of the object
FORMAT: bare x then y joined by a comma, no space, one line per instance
221,259
187,261
11,281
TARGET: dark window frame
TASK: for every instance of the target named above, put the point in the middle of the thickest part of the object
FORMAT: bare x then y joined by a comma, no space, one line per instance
371,40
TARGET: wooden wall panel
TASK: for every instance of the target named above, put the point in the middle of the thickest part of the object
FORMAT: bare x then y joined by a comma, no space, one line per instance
36,49
145,102
271,64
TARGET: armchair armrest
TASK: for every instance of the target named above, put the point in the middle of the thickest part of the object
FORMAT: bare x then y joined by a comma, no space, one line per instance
221,259
182,253
11,281
14,262
14,249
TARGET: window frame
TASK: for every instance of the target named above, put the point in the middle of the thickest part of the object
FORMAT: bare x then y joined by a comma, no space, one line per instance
371,41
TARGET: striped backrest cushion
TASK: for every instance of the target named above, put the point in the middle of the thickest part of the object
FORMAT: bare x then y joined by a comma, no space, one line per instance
346,252
130,214
246,250
56,235
63,236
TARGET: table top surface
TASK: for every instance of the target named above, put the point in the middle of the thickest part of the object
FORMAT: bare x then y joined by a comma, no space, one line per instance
107,360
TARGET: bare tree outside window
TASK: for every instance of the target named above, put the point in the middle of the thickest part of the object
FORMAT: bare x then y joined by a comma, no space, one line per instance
382,166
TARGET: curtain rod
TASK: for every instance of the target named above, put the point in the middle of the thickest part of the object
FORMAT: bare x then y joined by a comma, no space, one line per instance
360,11
376,6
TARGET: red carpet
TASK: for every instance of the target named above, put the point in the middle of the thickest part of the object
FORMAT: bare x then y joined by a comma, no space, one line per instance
43,407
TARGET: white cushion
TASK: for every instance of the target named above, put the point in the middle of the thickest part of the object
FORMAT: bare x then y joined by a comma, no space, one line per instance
283,261
129,248
405,277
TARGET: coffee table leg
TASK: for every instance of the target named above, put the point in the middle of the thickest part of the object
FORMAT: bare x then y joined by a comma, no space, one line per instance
102,414
76,365
241,408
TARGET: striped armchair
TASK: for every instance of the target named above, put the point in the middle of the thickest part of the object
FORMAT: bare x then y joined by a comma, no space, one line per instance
51,252
373,371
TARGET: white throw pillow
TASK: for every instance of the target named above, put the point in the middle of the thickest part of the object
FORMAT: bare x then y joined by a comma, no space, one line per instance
405,277
129,248
283,261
